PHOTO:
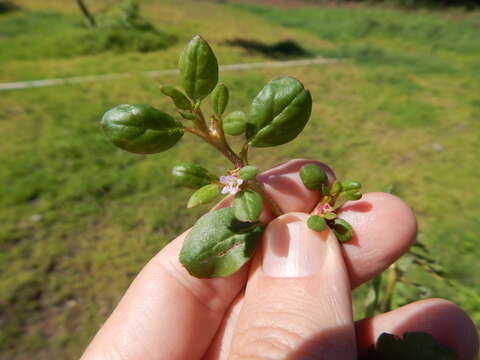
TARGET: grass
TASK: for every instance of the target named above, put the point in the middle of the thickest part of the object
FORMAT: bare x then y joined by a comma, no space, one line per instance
80,218
28,36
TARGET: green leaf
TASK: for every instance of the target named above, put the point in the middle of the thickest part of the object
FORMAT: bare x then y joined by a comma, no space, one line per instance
204,195
198,69
316,223
234,123
187,115
342,229
324,190
192,175
248,172
247,205
351,185
404,263
336,188
347,196
219,244
330,216
414,345
313,176
352,195
179,99
278,113
220,99
141,129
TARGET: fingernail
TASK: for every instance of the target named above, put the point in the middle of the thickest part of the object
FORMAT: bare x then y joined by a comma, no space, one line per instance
291,249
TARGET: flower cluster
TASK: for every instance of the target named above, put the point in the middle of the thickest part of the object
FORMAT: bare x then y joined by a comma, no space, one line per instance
232,184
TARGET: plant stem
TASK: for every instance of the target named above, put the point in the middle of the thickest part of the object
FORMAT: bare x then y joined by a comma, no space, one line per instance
391,282
200,119
216,137
217,133
86,13
194,131
213,136
225,149
244,153
376,285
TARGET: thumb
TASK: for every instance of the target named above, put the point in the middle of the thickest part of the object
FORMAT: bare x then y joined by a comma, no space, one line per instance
297,302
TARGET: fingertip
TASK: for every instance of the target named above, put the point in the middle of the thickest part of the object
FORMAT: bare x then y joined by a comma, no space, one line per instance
379,211
449,325
384,229
445,321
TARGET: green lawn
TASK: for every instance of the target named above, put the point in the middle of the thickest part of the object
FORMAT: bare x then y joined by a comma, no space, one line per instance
79,217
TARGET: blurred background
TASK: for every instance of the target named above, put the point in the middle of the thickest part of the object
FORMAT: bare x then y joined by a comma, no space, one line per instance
399,111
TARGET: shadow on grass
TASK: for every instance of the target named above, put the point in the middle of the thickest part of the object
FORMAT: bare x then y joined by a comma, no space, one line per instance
279,50
7,6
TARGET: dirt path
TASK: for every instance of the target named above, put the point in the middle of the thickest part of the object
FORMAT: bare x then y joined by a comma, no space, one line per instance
288,4
108,77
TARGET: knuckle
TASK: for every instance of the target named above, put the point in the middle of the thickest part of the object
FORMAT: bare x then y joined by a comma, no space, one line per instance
263,340
268,343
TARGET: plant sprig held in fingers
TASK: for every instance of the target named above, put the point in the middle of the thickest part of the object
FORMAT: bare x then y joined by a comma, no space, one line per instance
223,240
332,198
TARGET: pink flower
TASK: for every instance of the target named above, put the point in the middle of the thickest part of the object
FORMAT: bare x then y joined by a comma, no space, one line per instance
232,184
326,208
322,210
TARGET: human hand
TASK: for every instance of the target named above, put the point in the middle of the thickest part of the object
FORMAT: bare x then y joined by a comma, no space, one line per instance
293,302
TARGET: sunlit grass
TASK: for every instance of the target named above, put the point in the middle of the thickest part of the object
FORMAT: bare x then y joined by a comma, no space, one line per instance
80,218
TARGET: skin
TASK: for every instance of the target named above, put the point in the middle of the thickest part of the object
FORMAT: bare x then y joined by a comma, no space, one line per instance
168,314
